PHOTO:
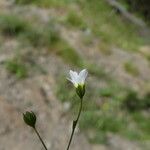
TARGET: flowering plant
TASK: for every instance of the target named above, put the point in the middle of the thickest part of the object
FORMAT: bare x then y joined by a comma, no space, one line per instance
78,80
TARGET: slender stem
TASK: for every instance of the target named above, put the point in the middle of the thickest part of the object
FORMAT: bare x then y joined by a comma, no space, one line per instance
74,125
40,138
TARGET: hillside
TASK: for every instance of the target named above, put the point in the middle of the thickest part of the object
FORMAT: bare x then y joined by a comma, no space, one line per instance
40,41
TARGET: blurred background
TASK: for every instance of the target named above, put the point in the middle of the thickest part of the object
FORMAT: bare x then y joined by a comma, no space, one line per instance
41,40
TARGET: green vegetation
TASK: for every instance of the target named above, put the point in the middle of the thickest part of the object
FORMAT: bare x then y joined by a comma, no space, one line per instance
17,67
143,123
67,53
11,25
44,3
101,124
33,37
109,26
25,1
133,102
43,36
131,68
105,27
40,37
103,113
75,20
106,109
96,70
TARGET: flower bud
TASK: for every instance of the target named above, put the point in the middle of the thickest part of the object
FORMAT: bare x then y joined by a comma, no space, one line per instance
80,90
29,118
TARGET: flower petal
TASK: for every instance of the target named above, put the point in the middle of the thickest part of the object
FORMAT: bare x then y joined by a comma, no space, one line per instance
73,75
70,80
76,78
74,83
82,75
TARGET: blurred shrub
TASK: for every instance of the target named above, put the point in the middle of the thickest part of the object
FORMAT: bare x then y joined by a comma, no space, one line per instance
17,67
132,102
69,54
106,92
147,101
40,37
12,25
34,37
73,19
143,123
101,123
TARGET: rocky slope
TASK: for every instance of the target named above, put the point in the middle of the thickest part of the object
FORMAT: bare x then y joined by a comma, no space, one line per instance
37,91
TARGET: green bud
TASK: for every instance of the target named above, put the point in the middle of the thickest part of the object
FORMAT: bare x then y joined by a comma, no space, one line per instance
29,118
80,90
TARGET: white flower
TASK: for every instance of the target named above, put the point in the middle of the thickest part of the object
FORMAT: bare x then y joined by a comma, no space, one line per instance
78,79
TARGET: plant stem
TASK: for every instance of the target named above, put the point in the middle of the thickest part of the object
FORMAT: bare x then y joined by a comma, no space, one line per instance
40,138
74,125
